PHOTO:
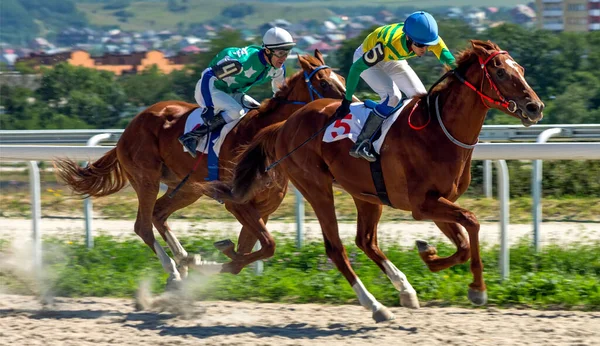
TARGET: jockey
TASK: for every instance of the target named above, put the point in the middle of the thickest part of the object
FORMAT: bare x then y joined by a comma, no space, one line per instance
222,87
381,62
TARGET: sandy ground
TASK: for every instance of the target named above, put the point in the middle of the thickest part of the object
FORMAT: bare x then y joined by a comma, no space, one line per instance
175,321
103,321
402,233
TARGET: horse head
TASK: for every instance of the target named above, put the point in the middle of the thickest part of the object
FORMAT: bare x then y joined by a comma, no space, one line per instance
320,80
502,83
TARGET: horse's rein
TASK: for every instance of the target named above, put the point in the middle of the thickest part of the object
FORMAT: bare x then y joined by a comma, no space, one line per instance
510,105
311,90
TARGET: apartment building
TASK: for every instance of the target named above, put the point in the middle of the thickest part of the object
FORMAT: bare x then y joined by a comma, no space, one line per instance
568,15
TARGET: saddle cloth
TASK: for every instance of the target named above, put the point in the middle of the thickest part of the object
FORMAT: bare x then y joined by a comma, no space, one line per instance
195,119
351,125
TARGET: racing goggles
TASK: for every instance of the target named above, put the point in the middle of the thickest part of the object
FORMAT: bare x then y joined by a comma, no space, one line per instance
280,53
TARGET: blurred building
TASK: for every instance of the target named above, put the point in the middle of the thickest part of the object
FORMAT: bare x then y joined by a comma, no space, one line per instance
569,15
117,63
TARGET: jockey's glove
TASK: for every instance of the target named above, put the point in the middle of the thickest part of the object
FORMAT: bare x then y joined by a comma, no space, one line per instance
343,109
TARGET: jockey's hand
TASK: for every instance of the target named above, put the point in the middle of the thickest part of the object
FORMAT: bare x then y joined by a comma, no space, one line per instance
342,110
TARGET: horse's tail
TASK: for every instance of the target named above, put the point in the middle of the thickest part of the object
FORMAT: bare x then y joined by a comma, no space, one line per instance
100,178
249,175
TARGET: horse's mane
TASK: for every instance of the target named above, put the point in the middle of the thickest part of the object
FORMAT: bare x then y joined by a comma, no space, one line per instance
269,105
465,59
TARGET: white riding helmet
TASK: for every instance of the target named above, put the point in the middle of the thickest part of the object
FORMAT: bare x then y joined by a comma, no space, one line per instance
278,38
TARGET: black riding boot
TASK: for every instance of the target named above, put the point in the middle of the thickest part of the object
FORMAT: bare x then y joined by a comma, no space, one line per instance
363,146
190,140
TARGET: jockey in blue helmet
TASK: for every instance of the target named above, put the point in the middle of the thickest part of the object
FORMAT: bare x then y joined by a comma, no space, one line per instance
381,62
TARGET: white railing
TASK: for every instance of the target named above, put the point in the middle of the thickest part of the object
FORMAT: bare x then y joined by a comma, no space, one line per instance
483,151
489,133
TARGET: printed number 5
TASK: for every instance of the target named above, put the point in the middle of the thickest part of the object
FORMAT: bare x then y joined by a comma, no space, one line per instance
375,55
340,124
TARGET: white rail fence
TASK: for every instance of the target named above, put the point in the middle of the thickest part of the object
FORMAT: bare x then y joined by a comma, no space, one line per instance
484,151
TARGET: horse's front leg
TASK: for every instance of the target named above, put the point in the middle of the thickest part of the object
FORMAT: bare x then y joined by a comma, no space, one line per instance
253,228
429,253
440,209
366,239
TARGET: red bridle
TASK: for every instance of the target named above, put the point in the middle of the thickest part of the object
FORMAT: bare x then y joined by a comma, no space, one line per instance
511,106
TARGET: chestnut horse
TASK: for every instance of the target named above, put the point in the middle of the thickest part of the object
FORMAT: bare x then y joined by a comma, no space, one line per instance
148,153
425,170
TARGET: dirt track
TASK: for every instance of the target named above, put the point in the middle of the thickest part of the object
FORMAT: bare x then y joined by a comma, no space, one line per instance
102,321
401,233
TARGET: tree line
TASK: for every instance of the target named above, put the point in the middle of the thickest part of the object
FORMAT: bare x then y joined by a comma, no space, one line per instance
561,68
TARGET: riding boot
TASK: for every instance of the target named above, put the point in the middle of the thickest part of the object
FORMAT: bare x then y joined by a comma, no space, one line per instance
363,146
190,140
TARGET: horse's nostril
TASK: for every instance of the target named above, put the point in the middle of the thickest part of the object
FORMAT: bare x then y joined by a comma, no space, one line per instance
532,107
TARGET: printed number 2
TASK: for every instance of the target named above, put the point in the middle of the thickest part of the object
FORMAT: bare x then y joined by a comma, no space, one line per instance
375,55
340,124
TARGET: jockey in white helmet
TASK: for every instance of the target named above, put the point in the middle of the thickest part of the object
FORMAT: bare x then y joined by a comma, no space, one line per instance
222,87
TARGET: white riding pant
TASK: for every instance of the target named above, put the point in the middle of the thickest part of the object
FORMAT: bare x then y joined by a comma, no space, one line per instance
207,95
391,78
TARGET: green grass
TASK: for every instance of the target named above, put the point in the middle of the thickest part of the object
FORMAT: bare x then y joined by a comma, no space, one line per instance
154,15
58,202
559,277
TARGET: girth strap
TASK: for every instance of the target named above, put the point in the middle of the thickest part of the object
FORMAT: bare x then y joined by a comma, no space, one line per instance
377,174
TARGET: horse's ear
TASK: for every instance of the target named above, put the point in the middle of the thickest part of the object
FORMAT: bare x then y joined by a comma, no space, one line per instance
319,56
482,48
484,45
303,63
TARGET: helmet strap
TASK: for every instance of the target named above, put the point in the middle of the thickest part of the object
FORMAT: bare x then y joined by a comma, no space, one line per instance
409,43
269,55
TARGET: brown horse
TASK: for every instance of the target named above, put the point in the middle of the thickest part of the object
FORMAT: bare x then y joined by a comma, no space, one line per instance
425,170
148,153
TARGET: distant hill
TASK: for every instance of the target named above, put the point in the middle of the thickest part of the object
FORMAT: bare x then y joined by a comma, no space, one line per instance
171,14
22,20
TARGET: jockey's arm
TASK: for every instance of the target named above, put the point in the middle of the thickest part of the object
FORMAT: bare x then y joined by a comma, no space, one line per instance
278,80
370,58
443,54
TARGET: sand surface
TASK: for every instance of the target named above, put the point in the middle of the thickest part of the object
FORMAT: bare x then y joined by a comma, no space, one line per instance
400,233
106,321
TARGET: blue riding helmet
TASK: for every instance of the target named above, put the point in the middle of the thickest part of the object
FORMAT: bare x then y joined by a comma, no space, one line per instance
422,28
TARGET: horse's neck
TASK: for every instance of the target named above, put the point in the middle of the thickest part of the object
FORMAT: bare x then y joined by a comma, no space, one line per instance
277,114
462,112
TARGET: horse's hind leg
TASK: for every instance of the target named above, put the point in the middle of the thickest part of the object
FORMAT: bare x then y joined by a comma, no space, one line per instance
318,192
147,187
366,240
164,207
429,253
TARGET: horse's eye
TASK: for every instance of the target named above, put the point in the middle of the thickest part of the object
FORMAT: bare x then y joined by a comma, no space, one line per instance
501,73
324,84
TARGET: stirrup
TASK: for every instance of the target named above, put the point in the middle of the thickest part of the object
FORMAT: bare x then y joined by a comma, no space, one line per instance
190,143
363,150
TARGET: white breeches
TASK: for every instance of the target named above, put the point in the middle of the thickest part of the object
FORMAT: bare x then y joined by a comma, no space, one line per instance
208,96
391,78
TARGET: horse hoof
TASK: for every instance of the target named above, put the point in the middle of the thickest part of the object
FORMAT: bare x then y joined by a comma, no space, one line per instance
409,300
192,260
174,285
477,297
224,245
383,314
422,245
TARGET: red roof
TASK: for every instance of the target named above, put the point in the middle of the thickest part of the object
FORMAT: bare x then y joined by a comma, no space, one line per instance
191,49
322,46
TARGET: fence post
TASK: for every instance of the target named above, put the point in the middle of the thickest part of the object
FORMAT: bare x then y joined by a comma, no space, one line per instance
536,188
87,203
36,214
503,194
299,219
